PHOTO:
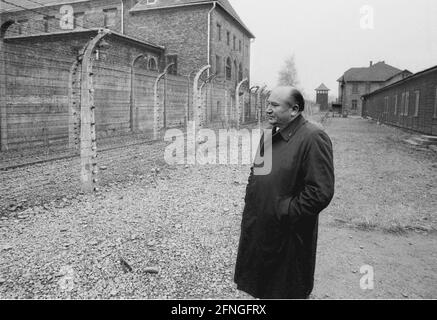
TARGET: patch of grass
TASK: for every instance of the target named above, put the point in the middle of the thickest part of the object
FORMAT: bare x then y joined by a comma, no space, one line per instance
366,226
396,229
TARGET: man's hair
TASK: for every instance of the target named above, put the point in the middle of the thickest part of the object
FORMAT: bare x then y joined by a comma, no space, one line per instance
298,99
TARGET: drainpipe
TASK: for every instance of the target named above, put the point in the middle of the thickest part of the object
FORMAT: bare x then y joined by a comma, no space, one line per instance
209,32
122,17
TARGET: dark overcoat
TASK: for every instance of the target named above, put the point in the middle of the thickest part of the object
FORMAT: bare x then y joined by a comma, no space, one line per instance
277,250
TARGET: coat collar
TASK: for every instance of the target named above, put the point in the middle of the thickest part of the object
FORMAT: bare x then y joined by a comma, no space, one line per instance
291,128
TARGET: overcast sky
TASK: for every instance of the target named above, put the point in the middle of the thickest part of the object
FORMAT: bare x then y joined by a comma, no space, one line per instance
326,37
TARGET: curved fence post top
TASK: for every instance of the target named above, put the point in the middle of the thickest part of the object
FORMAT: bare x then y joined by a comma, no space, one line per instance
138,57
240,84
199,73
5,26
159,77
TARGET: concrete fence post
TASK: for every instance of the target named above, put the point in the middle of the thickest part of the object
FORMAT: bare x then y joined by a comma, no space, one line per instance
197,98
74,90
3,103
226,109
237,102
187,107
88,141
157,105
132,123
260,102
256,100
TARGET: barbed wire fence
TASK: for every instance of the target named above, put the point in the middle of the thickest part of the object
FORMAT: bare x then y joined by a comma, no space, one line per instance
70,102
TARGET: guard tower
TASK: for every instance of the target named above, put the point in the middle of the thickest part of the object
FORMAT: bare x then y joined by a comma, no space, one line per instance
322,97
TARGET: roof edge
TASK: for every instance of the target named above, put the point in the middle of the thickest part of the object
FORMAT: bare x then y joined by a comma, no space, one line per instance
48,5
85,31
133,10
415,75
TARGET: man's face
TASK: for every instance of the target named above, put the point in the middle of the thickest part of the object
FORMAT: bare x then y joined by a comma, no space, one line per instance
278,110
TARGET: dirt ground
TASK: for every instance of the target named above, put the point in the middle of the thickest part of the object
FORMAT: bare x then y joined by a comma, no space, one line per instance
173,233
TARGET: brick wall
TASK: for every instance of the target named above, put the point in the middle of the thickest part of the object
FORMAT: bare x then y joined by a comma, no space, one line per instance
183,31
33,22
36,89
223,50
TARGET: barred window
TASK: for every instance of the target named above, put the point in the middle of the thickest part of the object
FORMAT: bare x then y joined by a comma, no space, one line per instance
79,20
153,64
228,69
219,32
110,17
218,65
355,88
240,72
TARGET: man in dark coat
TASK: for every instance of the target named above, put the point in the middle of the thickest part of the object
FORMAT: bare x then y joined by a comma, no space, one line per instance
277,251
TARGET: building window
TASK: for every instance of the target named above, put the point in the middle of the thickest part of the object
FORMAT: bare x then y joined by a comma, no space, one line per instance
236,70
368,87
402,103
355,88
219,32
78,20
354,104
386,105
218,108
228,69
174,68
396,104
153,65
22,26
46,24
407,102
416,105
239,45
151,1
109,17
235,43
240,72
218,65
228,38
435,104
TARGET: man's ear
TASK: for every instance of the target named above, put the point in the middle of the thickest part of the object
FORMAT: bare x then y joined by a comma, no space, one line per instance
295,109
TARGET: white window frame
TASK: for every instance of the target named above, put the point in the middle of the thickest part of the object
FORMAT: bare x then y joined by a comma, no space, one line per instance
386,105
407,102
417,103
402,107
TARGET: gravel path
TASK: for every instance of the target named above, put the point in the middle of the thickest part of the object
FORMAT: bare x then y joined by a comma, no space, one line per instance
173,233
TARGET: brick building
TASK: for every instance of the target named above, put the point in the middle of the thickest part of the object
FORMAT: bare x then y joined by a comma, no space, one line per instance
410,103
356,82
189,33
193,32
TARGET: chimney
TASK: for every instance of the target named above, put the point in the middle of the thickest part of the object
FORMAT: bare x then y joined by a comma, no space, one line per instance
371,63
